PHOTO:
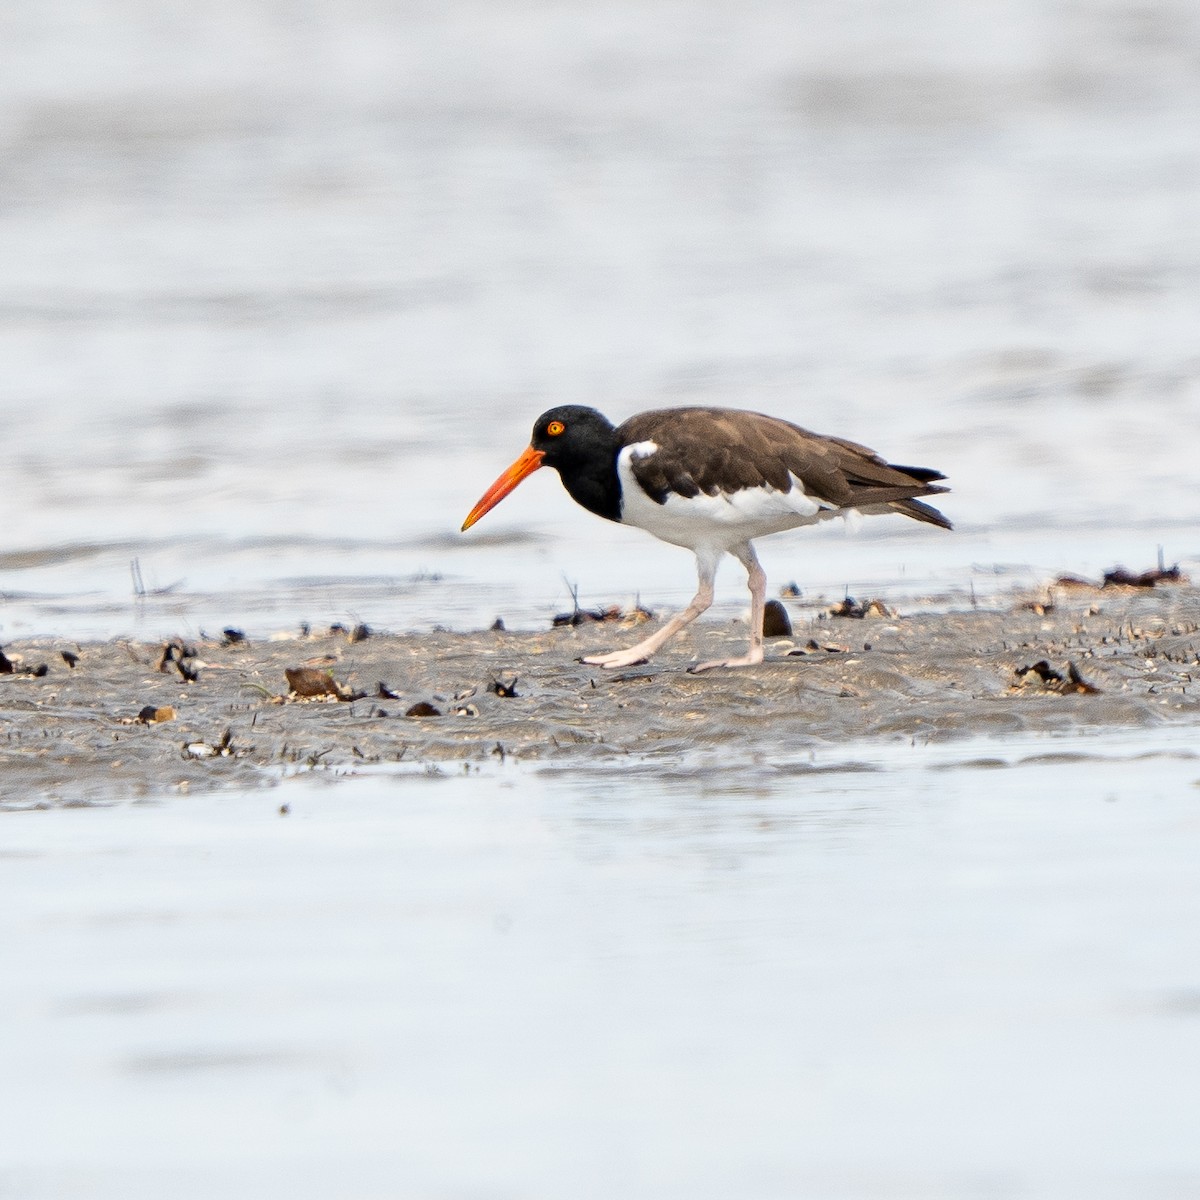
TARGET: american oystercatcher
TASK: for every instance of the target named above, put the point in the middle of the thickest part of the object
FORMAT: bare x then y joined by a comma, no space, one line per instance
711,480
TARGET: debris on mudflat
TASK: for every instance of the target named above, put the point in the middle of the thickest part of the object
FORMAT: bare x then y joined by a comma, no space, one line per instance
812,646
151,716
231,636
1041,608
584,616
776,622
70,658
853,609
141,591
498,625
8,667
356,633
1119,577
311,683
172,650
423,708
578,617
383,692
790,591
224,748
505,691
1041,676
176,652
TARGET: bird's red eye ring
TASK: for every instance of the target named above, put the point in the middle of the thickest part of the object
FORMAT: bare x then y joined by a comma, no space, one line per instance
555,428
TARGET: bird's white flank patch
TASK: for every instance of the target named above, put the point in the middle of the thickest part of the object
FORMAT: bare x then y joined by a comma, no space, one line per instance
641,449
723,521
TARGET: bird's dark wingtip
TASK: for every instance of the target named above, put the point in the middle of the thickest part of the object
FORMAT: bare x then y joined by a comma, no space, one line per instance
924,474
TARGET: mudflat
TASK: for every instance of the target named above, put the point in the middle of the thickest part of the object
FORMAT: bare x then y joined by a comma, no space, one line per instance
94,721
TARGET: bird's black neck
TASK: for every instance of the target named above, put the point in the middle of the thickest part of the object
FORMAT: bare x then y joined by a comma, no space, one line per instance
593,484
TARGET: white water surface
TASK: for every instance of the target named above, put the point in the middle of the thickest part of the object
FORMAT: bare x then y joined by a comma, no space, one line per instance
282,290
885,972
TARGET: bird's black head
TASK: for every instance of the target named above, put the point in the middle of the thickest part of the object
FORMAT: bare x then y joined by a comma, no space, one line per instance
572,436
581,445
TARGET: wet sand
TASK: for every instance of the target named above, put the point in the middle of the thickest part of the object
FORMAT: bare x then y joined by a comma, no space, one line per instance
72,734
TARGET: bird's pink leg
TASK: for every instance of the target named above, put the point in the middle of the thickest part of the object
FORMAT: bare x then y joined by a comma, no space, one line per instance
757,580
706,565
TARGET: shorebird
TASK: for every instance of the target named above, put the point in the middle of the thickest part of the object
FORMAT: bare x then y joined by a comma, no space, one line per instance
711,480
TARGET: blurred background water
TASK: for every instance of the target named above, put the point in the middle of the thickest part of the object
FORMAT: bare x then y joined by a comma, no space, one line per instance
896,976
282,288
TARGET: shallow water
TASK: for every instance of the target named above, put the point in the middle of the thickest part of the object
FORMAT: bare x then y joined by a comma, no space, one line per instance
923,970
281,292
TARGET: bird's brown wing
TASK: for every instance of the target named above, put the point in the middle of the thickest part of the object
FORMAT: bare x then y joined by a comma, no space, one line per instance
715,450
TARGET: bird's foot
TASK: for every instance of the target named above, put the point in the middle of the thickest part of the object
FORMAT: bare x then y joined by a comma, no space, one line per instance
745,660
618,658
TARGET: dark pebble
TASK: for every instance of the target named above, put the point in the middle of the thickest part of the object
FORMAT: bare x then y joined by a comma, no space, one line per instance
776,622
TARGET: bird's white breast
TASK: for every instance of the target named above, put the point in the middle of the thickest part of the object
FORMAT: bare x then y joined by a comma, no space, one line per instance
722,521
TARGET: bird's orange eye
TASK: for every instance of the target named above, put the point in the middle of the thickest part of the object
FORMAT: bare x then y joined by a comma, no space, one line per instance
555,428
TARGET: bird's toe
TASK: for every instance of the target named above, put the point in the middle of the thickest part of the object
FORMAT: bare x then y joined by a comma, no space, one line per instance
618,658
745,660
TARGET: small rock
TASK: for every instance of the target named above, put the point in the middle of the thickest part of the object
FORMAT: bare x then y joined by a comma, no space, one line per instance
310,682
776,622
152,716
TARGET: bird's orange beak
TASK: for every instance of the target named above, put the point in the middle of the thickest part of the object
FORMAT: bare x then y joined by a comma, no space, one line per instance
525,465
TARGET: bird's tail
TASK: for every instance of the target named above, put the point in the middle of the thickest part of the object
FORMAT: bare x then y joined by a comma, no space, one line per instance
923,512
